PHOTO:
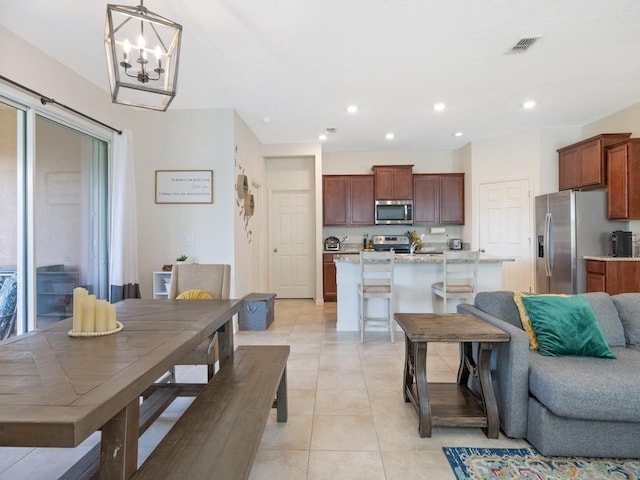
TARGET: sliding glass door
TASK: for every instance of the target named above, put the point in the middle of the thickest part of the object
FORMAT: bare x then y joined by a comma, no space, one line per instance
54,217
70,206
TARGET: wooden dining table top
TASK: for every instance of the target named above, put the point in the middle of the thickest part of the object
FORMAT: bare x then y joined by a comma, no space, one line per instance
56,390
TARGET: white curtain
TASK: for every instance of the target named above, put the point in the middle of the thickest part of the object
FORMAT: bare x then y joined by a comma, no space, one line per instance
123,268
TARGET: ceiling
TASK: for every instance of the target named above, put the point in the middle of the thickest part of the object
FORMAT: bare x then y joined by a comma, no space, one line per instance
299,64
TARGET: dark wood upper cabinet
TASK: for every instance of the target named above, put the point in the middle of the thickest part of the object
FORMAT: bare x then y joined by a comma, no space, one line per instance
623,170
438,199
335,190
361,194
452,199
426,199
348,199
393,182
583,164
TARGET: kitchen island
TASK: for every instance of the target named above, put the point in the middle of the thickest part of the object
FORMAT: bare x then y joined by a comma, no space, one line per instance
413,277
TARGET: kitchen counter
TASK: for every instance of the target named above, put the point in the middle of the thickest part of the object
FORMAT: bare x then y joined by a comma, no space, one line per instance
424,258
412,280
604,258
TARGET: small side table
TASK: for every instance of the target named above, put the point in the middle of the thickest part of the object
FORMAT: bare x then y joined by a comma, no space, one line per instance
450,404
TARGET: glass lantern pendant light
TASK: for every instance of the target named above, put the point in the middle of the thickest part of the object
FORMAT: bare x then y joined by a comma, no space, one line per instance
142,50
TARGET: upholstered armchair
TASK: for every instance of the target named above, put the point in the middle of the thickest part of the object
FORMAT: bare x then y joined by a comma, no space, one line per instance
214,279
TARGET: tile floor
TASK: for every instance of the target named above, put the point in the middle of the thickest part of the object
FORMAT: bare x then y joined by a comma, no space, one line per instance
347,416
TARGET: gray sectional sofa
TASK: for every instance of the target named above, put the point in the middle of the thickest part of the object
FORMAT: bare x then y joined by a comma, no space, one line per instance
568,406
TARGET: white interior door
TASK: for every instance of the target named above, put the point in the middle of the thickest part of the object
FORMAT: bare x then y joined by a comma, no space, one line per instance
505,229
291,232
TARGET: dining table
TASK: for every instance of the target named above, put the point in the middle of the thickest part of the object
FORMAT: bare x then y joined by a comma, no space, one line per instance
57,389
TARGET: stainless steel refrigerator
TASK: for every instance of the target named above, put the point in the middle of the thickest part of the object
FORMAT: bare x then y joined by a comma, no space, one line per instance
570,225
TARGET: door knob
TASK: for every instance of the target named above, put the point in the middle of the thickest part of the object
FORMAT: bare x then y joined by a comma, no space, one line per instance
275,250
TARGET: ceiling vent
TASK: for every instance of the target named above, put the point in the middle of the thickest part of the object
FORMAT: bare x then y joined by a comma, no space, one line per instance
523,45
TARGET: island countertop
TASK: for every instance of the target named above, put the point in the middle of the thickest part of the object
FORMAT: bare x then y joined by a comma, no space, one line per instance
422,258
412,280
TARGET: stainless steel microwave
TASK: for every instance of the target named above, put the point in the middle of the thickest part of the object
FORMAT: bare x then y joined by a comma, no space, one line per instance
394,212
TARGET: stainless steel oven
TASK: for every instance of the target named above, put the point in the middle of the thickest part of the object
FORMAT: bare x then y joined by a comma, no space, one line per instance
394,212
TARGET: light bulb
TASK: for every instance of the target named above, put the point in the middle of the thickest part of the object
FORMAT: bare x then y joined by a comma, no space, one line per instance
141,42
158,53
126,46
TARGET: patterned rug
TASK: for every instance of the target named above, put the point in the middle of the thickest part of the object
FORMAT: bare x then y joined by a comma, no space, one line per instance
527,463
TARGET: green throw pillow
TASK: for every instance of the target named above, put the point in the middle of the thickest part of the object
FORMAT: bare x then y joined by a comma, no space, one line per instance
566,326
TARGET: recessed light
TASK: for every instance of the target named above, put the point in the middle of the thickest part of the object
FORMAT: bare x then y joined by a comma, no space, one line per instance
457,134
439,107
390,136
529,104
322,137
352,108
266,120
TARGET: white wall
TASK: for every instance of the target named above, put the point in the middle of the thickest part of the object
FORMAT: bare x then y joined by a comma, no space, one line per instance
185,140
20,60
250,255
426,161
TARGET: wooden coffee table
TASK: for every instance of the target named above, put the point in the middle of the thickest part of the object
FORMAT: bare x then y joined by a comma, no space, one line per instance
450,404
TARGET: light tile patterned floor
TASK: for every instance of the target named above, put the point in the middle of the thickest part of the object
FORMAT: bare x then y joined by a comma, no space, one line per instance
347,416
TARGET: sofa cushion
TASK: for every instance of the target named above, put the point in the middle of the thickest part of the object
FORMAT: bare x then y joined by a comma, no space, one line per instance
607,315
628,306
499,304
525,319
587,387
566,326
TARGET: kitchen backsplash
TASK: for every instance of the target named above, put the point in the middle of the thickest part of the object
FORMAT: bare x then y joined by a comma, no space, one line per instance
355,235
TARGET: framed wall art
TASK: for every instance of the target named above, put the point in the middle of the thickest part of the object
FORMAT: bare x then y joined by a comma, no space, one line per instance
184,186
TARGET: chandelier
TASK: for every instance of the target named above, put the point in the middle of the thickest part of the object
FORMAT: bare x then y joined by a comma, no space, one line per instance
142,50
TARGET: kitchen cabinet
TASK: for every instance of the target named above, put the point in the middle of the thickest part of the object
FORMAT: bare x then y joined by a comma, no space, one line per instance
583,164
623,171
348,199
329,288
438,199
393,182
613,276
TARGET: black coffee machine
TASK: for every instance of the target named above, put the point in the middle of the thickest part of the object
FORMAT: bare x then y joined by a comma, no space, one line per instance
621,244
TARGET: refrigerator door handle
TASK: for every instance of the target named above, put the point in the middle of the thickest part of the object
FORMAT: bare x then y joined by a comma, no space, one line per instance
547,244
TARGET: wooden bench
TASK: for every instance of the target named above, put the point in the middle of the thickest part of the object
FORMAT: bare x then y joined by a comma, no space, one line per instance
218,435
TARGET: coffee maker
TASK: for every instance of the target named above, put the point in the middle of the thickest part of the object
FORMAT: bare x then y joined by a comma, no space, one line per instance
621,244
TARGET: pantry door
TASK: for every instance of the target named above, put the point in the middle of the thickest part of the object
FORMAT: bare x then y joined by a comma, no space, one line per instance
505,229
291,243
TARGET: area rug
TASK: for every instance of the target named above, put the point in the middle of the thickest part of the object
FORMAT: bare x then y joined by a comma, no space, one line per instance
527,463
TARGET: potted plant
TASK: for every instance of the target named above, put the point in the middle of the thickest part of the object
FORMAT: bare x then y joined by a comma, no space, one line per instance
181,259
416,241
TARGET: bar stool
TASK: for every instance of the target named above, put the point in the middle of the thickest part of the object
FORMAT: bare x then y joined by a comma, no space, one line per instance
376,281
459,277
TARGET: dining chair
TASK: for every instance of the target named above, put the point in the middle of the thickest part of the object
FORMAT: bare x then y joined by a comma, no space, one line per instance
201,281
8,303
376,282
459,277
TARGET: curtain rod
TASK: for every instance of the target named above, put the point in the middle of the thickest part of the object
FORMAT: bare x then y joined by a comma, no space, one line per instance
45,100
